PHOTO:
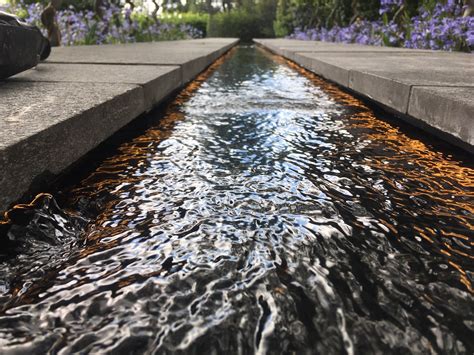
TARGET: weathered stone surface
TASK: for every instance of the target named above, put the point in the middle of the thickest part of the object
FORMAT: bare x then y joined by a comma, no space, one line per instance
449,109
332,71
387,76
392,76
157,81
192,56
288,47
47,126
52,116
166,52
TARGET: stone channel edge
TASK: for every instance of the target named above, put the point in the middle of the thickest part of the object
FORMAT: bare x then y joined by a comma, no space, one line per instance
53,115
431,90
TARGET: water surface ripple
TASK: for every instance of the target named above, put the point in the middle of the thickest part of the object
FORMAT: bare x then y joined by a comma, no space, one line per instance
266,212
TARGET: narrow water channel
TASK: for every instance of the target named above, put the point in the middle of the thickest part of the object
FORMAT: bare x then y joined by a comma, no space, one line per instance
266,211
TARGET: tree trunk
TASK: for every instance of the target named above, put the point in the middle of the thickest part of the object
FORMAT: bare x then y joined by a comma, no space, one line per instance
48,19
129,2
155,10
99,7
469,8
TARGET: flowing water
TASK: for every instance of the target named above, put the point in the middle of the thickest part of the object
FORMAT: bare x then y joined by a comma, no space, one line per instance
265,211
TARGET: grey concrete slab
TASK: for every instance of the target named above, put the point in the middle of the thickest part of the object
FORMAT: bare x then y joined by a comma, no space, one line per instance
391,76
45,127
449,109
390,79
192,56
387,77
136,53
165,53
157,81
288,47
52,116
325,68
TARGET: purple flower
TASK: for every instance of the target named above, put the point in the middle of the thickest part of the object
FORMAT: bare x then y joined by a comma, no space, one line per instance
389,5
442,28
116,26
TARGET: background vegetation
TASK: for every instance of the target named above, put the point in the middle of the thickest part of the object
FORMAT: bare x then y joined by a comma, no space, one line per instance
422,24
442,24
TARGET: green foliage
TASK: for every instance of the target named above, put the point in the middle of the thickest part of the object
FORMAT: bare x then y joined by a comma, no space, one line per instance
236,23
303,14
321,13
196,20
429,5
266,10
366,9
411,6
77,4
282,24
315,13
250,20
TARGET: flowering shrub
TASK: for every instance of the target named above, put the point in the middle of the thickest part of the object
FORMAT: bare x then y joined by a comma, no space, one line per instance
193,19
440,27
117,25
389,5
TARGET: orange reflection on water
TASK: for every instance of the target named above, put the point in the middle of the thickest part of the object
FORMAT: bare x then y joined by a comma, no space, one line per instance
425,172
411,169
107,175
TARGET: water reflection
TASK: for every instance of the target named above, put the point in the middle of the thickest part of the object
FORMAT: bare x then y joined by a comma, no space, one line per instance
266,212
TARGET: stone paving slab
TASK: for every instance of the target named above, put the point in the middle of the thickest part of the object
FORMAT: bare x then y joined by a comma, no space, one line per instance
392,76
445,108
432,69
387,77
53,115
44,127
165,52
193,57
157,81
289,47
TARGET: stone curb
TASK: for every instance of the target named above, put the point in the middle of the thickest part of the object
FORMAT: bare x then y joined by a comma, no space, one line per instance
432,90
52,116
